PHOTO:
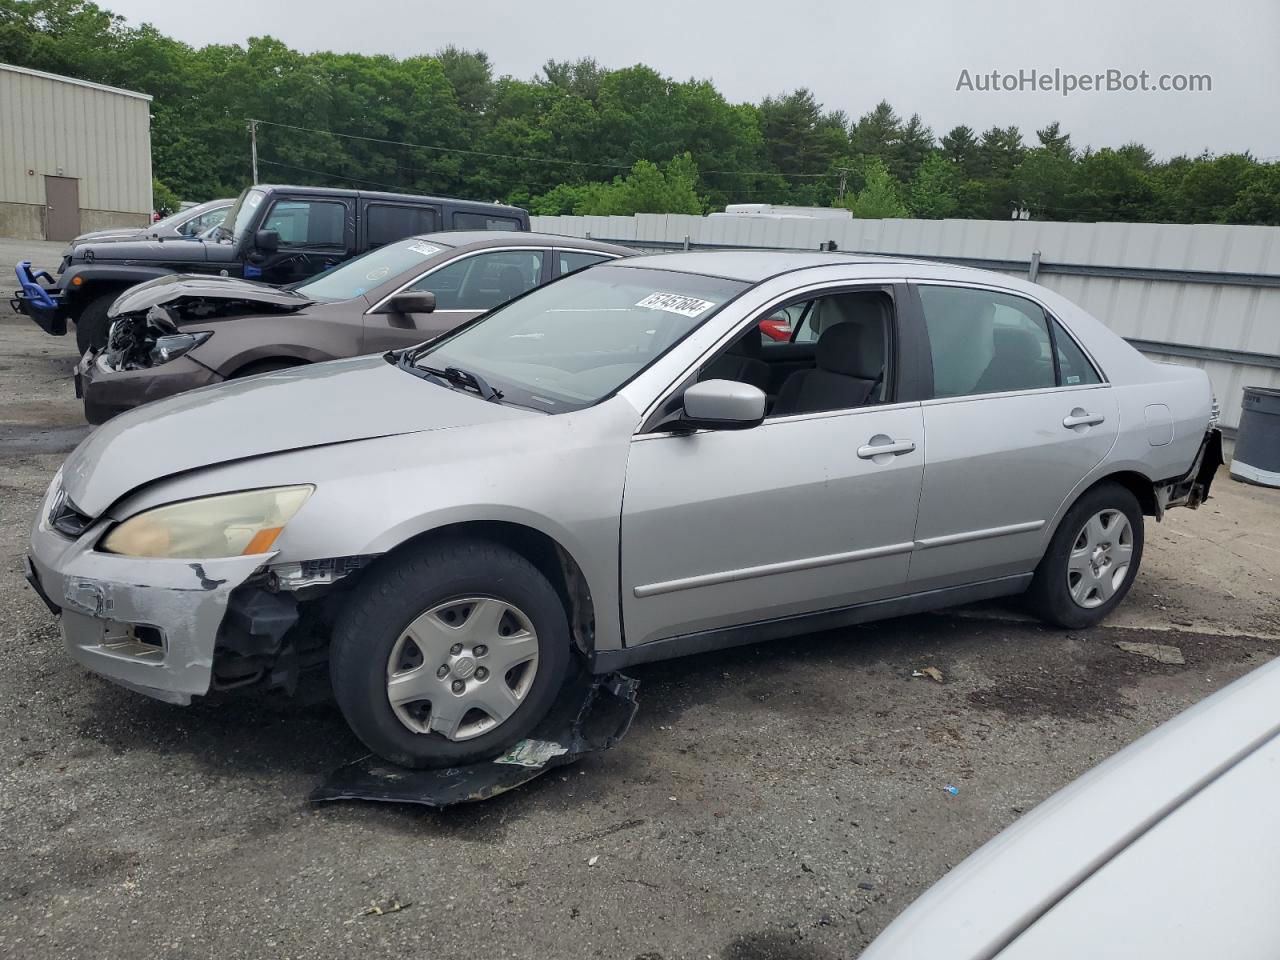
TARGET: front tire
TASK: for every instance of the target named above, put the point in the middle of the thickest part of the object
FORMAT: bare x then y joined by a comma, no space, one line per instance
449,653
92,324
1091,561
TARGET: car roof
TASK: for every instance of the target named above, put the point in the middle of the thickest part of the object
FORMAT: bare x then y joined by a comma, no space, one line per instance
494,238
382,195
754,266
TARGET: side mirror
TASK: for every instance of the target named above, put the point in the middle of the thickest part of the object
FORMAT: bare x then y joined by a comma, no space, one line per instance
268,241
722,405
424,302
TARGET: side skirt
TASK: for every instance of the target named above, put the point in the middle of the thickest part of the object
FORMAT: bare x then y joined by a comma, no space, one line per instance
604,661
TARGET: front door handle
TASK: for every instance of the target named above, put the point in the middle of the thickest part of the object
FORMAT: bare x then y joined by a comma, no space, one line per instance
1080,418
872,450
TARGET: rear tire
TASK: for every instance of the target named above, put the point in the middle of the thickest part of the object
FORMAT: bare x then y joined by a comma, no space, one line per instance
458,633
92,324
1092,560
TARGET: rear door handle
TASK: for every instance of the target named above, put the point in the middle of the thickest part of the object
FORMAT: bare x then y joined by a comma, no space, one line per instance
1078,418
870,451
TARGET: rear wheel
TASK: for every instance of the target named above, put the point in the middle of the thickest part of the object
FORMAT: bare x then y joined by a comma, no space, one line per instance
92,324
449,653
1091,561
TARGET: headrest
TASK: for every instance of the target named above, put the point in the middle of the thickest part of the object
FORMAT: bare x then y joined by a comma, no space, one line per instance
748,345
852,349
1015,345
848,308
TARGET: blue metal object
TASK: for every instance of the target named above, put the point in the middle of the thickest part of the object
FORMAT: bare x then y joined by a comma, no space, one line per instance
31,289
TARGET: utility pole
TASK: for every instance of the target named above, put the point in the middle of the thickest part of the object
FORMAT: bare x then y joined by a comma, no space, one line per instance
253,146
844,178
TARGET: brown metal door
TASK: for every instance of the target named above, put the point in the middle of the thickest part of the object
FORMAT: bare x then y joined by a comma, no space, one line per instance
61,208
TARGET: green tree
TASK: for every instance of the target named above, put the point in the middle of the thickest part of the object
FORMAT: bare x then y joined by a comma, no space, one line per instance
582,78
934,193
1212,185
164,200
879,197
960,146
1114,182
1042,180
1055,141
1258,200
877,133
800,138
646,189
915,143
471,76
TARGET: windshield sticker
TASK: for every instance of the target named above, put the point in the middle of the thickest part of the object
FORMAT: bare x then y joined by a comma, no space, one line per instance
373,276
424,248
253,200
675,303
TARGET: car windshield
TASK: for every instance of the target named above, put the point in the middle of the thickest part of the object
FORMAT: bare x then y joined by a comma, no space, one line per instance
573,342
241,213
174,219
355,277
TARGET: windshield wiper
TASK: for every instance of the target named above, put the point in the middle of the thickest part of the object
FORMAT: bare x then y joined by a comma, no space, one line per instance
452,376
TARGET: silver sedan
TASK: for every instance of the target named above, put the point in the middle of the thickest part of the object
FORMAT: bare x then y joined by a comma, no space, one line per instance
618,468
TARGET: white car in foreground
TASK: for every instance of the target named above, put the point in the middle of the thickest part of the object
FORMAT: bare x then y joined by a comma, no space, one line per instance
1166,851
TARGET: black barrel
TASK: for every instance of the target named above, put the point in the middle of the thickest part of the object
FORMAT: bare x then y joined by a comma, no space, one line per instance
1257,454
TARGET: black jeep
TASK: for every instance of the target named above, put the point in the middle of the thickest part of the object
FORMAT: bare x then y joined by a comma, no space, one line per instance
276,234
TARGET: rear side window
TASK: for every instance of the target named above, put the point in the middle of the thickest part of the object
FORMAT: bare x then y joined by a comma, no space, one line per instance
483,221
387,222
982,341
1073,364
571,260
308,223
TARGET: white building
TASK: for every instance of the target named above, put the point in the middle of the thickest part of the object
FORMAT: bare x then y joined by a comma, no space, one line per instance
74,156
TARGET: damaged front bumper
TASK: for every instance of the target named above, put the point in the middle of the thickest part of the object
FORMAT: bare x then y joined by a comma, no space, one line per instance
107,393
147,624
42,304
590,715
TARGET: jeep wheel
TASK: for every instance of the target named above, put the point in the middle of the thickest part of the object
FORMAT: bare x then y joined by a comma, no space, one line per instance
92,324
449,654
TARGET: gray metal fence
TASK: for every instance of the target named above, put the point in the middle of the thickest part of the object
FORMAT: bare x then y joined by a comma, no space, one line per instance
1205,295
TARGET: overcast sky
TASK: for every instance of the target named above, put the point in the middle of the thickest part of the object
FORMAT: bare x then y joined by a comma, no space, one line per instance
851,53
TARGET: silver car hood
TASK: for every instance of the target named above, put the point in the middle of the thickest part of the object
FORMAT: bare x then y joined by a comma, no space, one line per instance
292,409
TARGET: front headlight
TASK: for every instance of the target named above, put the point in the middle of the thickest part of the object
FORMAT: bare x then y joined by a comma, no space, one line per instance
174,345
230,525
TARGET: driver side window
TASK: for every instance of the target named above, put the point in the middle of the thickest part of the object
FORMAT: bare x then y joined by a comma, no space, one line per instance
836,358
308,223
482,281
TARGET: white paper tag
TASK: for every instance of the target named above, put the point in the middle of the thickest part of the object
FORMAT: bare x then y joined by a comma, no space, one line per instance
424,248
675,303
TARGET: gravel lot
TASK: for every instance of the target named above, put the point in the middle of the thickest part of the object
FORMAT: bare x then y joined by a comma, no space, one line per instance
781,801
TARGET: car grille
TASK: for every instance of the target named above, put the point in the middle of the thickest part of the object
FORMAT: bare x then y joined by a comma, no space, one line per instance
65,518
